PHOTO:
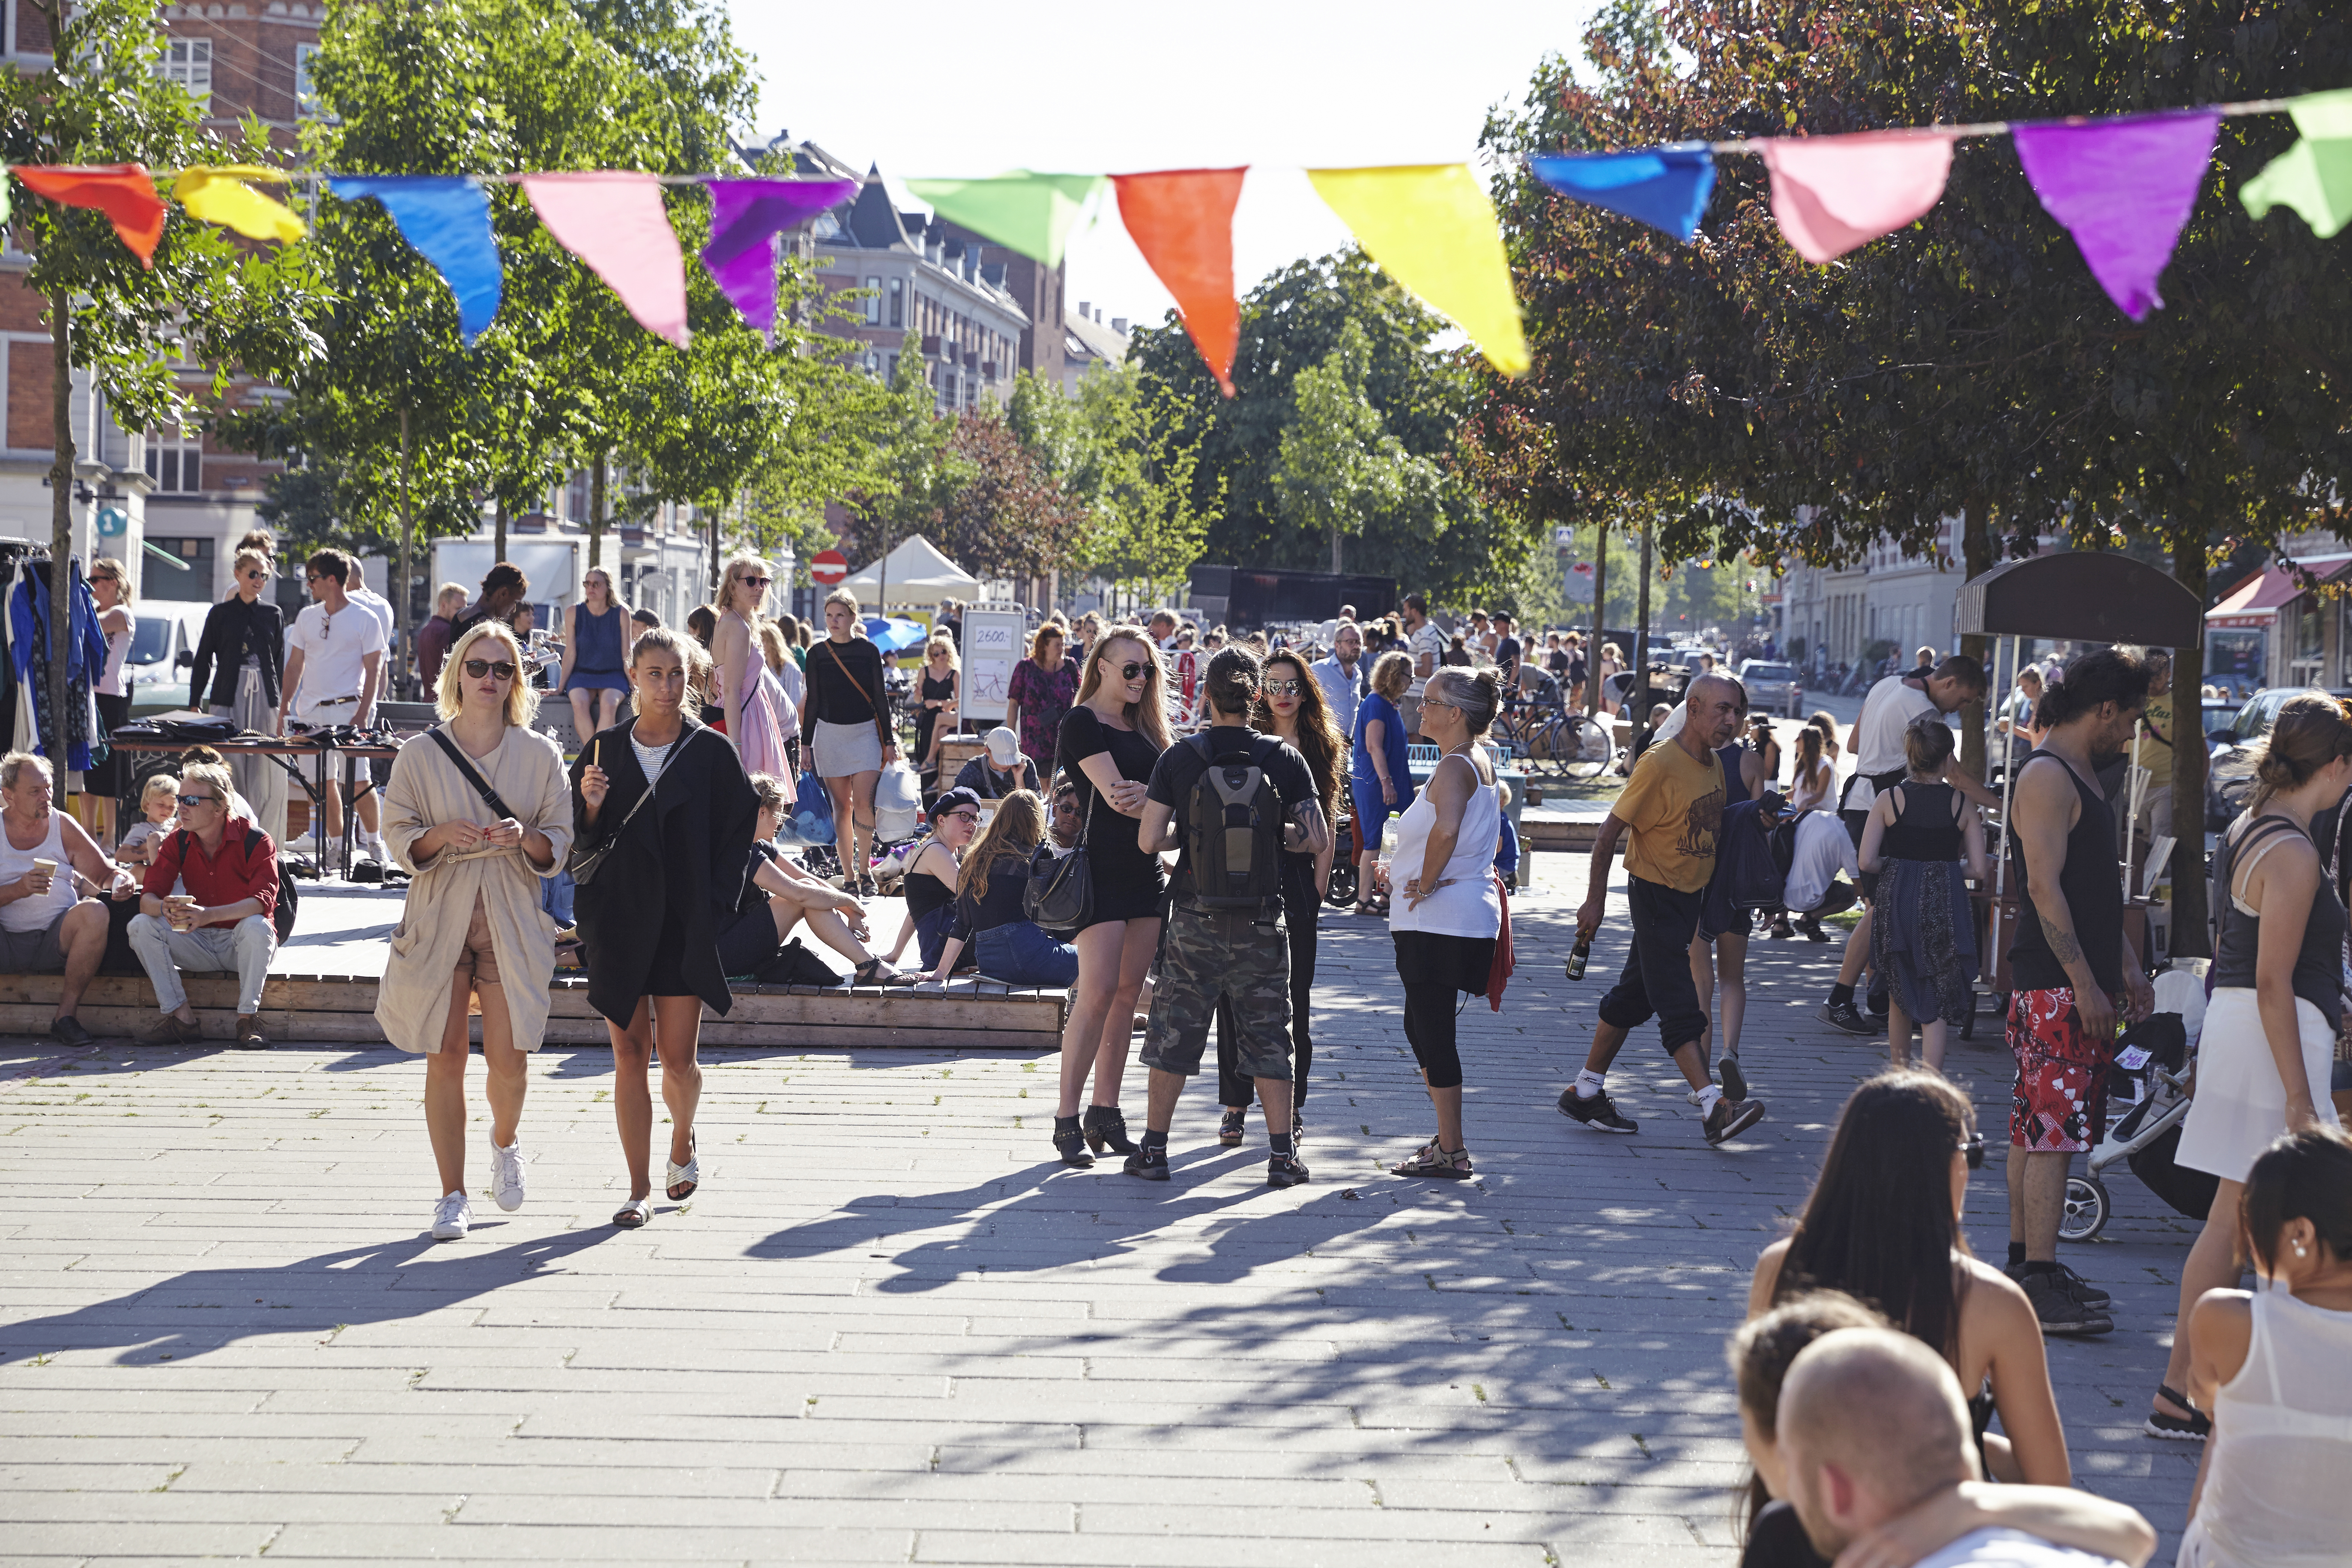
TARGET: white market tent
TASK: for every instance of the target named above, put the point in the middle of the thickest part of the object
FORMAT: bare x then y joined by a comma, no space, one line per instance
913,573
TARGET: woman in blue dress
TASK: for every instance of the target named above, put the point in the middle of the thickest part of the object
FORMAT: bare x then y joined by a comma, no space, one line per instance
593,642
1379,783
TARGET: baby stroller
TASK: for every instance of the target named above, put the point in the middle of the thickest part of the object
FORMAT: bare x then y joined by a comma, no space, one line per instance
2153,1055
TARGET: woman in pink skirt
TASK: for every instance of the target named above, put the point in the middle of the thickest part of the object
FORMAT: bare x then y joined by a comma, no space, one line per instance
750,713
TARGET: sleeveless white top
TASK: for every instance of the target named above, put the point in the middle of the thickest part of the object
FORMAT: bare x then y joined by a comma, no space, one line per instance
36,913
1465,904
2281,1466
118,647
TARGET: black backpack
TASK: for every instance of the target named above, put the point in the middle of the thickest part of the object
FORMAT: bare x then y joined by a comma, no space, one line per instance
1234,829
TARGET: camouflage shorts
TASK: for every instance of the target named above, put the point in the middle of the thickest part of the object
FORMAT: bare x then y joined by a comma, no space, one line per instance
1205,954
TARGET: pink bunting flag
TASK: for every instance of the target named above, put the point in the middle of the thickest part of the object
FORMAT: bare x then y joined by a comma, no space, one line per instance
1832,193
614,221
2124,188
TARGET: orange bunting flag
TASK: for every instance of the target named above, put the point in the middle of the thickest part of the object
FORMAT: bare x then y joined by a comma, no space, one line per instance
123,192
1182,221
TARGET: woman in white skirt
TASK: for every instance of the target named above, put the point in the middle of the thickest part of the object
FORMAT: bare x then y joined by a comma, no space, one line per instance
472,928
846,733
2269,1041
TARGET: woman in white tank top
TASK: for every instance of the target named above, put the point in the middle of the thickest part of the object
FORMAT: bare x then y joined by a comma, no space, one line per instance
103,783
1445,905
2274,1369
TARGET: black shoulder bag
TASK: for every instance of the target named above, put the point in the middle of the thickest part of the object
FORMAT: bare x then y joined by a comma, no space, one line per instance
1061,891
584,863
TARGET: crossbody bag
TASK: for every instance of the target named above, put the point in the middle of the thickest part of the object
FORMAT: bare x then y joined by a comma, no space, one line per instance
879,733
584,863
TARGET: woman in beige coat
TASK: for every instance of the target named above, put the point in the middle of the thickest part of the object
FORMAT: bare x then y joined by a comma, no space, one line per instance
473,929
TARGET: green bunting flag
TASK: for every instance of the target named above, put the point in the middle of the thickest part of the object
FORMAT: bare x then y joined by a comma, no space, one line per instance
1033,214
2313,178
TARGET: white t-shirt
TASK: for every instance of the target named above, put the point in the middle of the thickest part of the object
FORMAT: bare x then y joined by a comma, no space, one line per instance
2010,1548
377,606
1429,643
1886,713
334,650
1824,849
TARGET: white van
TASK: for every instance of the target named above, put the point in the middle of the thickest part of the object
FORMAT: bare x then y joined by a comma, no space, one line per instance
163,648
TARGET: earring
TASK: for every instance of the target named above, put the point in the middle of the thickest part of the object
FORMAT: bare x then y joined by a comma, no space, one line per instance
2299,1249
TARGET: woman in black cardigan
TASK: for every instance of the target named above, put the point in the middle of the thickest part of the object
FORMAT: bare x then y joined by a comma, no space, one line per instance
234,676
649,918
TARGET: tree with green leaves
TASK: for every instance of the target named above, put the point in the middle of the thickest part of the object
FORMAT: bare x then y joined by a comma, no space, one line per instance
208,299
1336,464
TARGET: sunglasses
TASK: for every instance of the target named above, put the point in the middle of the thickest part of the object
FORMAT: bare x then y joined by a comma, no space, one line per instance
198,800
256,576
479,667
1974,1149
1284,688
1130,669
755,582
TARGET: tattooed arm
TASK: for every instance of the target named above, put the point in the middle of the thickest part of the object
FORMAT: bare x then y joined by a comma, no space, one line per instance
1307,832
2046,810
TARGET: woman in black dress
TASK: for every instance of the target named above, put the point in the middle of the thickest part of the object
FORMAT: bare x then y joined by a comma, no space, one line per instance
676,871
940,673
1108,743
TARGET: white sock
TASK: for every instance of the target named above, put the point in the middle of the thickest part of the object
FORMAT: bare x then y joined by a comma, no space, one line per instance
1589,1083
1708,1096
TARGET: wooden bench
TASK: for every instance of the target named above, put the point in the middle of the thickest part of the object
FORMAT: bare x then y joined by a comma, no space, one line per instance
335,1009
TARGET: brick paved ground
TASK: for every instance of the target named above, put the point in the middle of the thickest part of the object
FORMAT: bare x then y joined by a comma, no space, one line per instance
889,1328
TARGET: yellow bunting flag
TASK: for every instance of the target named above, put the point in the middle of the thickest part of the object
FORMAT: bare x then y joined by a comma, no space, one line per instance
1432,228
218,194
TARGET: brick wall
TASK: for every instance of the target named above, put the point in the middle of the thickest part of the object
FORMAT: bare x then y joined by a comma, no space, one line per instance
29,414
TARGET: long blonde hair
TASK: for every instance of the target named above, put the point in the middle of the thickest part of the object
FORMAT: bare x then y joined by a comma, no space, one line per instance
1150,714
522,697
772,645
1016,830
737,569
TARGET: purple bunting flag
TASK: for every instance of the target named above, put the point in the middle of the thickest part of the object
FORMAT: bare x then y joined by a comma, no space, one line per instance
2124,188
746,215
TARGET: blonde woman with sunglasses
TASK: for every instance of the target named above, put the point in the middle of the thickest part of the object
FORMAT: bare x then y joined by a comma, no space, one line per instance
472,930
595,638
1109,742
737,663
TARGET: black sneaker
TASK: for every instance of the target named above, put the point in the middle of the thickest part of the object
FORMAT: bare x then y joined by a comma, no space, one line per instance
1596,1111
1285,1170
2059,1310
1730,1118
67,1030
1147,1161
1734,1081
2082,1290
1231,1127
1844,1016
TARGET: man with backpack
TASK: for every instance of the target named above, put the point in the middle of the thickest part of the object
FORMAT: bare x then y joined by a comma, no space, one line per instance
223,921
1230,801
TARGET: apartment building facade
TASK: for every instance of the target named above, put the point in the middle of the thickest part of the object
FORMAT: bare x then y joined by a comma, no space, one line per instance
1890,596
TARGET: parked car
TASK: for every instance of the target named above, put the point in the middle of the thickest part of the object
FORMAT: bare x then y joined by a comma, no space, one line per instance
1772,687
163,648
2230,774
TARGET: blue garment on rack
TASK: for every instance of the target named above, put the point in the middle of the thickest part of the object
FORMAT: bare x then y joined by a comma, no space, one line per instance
29,645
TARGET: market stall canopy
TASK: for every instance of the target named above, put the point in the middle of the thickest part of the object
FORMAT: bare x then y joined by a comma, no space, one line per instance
2256,601
912,573
2081,595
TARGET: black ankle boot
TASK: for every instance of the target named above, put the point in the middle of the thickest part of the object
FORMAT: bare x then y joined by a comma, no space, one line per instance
1069,1142
1107,1129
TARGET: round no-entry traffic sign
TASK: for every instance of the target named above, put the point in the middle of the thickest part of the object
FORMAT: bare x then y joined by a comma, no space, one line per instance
828,567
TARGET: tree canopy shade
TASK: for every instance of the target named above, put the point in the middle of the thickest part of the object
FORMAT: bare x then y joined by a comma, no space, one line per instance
1733,397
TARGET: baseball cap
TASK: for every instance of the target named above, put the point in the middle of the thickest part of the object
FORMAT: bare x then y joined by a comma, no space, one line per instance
1003,746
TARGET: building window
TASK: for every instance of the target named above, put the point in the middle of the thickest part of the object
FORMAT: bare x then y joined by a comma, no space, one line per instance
191,582
897,302
894,368
176,462
306,99
874,301
189,62
873,363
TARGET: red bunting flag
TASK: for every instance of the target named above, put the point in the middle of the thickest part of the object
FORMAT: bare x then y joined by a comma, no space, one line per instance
123,192
1182,221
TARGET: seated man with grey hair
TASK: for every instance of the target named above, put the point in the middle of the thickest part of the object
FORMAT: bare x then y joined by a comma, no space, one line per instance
44,928
228,869
1871,1426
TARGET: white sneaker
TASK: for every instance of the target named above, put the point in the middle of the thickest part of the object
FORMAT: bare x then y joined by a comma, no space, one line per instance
506,1175
453,1217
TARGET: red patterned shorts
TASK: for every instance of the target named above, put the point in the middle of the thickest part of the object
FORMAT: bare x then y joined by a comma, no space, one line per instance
2060,1104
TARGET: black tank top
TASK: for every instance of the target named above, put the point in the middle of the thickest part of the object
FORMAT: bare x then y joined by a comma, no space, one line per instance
1735,781
2092,880
2318,966
925,893
1924,828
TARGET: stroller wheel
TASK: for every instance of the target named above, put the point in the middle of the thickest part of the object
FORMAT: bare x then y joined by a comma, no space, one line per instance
2087,1209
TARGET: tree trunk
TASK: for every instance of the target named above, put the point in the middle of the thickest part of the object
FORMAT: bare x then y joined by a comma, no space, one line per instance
1334,544
498,529
404,594
61,484
1975,557
715,568
1599,619
1641,621
2190,938
596,513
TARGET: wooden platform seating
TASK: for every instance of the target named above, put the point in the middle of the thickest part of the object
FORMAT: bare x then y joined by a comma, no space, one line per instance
968,1014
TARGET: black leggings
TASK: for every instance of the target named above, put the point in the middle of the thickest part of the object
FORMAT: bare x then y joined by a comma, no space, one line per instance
1429,1012
1436,971
1299,906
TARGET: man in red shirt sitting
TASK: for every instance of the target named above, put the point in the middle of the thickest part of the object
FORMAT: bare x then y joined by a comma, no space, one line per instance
229,869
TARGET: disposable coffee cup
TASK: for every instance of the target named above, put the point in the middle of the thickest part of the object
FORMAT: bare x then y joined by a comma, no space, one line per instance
48,868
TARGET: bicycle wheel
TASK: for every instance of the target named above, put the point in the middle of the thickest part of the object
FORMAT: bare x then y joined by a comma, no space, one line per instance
1583,747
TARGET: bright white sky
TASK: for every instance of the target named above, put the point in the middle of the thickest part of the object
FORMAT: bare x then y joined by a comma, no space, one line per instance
928,88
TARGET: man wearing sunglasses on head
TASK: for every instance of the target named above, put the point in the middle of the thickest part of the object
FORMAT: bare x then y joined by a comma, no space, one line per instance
334,666
222,920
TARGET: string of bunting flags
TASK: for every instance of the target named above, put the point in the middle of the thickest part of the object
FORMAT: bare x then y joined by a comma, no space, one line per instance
2122,186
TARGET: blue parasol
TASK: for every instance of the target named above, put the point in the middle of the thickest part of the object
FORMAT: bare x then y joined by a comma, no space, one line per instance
892,635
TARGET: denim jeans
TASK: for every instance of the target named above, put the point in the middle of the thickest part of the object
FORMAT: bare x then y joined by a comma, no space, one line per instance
244,948
1019,953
